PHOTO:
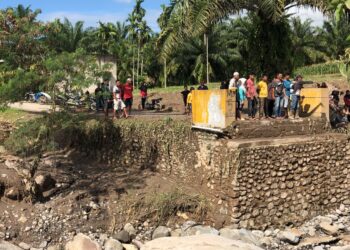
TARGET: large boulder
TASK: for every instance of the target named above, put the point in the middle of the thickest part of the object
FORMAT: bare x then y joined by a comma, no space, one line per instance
82,242
241,234
198,230
198,242
4,245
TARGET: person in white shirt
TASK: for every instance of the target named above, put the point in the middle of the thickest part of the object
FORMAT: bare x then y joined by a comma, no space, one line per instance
234,80
118,101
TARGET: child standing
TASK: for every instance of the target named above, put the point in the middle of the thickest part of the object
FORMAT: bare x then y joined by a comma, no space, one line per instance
189,102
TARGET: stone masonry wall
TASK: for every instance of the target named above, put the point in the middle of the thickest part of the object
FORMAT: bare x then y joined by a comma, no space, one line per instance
288,184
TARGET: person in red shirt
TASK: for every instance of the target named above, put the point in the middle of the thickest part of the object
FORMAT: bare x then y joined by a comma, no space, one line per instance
143,93
127,94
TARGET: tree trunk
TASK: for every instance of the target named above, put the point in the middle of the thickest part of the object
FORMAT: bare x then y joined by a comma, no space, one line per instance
142,57
133,66
116,70
138,64
165,74
206,38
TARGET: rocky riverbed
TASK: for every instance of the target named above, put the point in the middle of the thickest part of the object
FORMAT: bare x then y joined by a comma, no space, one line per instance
329,232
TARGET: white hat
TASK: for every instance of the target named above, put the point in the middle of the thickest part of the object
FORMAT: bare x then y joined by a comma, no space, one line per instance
236,74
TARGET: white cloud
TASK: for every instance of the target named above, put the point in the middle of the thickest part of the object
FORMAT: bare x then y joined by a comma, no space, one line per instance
123,1
308,13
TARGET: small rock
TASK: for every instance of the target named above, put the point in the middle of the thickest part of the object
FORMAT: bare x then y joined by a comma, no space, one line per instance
103,237
43,244
123,236
23,245
113,244
289,237
319,248
22,219
130,229
160,232
45,182
13,194
328,228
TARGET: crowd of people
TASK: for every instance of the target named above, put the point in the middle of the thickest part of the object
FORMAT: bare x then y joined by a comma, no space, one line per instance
339,114
267,99
119,97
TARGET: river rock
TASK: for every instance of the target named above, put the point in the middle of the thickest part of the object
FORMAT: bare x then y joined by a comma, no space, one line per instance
289,237
112,244
130,229
82,242
207,242
123,236
160,232
45,182
240,234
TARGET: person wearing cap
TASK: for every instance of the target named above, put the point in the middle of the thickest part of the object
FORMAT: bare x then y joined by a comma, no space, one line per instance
297,86
128,96
234,81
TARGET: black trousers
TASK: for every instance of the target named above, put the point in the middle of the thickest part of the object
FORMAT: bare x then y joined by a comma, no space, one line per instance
270,107
143,102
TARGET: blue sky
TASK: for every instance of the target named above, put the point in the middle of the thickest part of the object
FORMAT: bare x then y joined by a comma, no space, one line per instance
92,11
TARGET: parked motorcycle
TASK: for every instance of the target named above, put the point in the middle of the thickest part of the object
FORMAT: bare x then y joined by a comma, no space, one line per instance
39,97
156,104
69,100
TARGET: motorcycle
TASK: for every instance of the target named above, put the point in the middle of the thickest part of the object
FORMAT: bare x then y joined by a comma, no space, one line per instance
39,97
156,104
69,100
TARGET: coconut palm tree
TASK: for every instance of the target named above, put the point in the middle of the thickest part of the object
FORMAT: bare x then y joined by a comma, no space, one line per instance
306,43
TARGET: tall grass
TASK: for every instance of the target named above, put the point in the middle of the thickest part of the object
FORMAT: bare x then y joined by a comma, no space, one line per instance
328,68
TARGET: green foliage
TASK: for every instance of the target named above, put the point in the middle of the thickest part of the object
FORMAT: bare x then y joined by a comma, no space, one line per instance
21,82
344,66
